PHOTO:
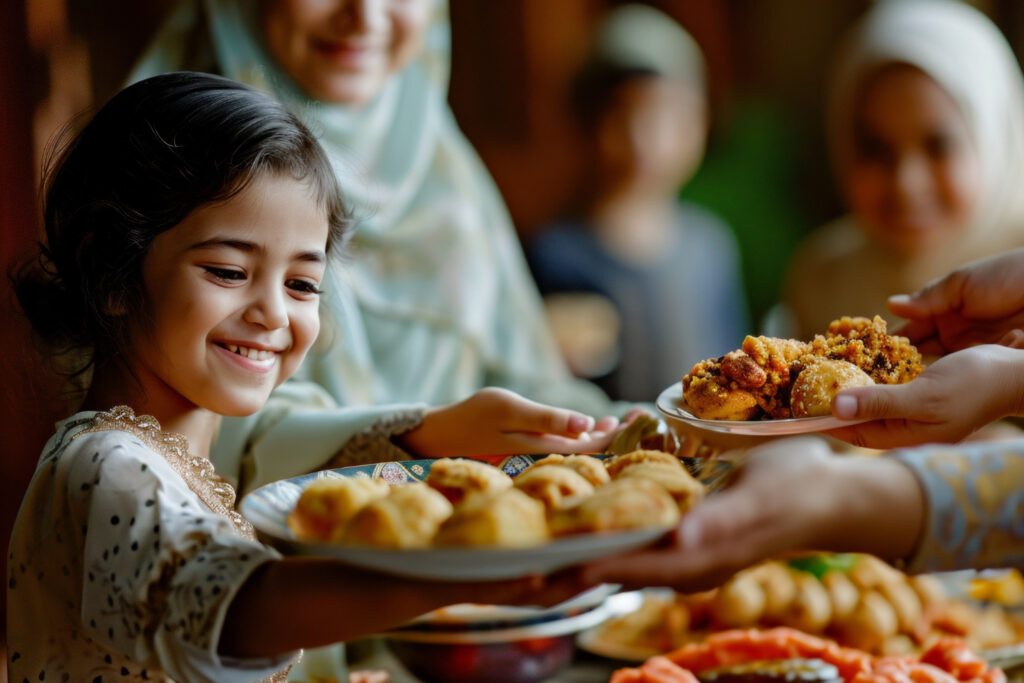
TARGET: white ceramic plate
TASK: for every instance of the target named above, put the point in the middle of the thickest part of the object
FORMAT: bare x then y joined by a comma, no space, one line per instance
548,629
470,616
591,640
671,404
267,508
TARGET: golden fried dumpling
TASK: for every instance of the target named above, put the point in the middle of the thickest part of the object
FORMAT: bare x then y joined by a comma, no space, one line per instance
710,395
328,504
408,517
683,488
507,519
458,479
628,503
556,486
591,469
819,382
618,463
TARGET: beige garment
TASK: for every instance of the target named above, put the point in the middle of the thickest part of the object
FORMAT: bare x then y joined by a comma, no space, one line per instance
119,567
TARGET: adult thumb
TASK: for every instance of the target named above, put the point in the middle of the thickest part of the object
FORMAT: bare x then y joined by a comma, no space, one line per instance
880,402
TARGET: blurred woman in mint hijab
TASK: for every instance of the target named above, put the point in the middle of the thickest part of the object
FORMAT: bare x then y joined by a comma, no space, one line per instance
436,301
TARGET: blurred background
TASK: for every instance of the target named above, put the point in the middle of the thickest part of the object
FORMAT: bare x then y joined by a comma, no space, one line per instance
765,171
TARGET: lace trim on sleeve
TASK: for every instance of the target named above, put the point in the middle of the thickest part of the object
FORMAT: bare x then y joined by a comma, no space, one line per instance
374,443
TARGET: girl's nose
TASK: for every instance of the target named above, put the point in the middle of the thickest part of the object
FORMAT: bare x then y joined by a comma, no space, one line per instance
267,309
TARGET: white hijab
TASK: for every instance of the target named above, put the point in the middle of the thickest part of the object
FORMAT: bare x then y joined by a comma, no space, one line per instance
967,56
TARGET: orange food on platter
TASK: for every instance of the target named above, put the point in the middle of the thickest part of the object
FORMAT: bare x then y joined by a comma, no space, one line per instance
757,381
947,661
857,600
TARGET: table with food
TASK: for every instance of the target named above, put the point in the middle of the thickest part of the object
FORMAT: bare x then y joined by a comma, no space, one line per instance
809,617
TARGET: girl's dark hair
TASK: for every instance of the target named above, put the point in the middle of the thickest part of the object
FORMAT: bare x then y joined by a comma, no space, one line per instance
157,151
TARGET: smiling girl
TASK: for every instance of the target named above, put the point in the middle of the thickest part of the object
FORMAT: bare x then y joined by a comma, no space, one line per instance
926,125
188,228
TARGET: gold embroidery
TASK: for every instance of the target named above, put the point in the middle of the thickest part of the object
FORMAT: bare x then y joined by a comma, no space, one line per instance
198,473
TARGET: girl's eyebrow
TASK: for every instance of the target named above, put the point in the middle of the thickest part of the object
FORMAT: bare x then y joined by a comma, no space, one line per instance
315,256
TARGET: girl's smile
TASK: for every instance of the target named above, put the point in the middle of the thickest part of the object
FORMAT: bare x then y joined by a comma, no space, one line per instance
250,357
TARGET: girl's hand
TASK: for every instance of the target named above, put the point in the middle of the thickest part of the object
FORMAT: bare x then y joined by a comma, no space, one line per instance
790,494
979,303
953,397
497,421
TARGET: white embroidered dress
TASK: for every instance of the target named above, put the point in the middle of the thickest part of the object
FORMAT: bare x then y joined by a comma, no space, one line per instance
124,558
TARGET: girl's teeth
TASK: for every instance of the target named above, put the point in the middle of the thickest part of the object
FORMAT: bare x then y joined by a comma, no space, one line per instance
254,354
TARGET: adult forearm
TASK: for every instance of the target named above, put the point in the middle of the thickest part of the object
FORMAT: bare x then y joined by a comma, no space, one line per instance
880,509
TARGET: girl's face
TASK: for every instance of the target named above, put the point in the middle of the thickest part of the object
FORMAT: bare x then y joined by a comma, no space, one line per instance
342,51
653,134
913,174
232,298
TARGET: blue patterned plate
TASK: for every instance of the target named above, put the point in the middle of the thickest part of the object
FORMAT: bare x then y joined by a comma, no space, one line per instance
268,507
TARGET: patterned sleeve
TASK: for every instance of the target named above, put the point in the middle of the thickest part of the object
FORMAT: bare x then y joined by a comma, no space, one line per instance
159,569
975,505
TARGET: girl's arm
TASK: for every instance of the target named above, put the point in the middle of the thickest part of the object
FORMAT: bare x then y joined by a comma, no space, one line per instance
304,602
497,422
260,449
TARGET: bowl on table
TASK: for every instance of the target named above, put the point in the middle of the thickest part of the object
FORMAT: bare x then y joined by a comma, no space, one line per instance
487,651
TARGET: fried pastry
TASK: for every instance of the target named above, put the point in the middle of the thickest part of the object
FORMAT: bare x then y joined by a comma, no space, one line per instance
591,469
616,464
819,382
888,359
710,395
506,519
459,479
326,505
626,503
556,486
757,380
408,517
684,489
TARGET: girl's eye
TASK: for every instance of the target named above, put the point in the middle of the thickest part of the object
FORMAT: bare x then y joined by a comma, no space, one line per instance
226,274
303,286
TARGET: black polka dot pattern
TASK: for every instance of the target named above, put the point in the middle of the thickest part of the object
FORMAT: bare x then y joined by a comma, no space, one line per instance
126,535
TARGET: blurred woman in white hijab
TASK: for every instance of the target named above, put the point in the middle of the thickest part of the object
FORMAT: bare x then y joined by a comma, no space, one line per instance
926,132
